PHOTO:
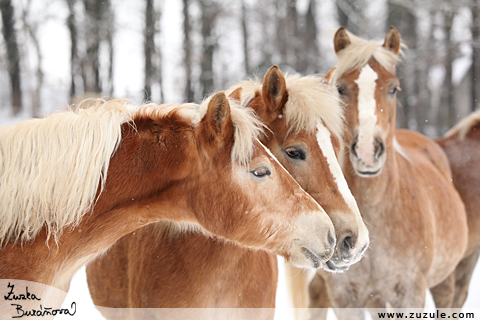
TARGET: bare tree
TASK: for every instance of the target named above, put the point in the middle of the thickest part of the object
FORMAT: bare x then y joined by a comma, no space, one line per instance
246,55
210,10
32,28
308,56
475,29
448,118
149,48
351,15
187,47
74,60
109,18
10,36
425,59
401,15
97,24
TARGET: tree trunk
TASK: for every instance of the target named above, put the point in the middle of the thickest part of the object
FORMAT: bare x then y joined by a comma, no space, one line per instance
32,30
246,56
9,34
109,19
149,49
310,58
187,47
94,13
403,19
72,28
351,15
209,14
447,91
425,59
475,74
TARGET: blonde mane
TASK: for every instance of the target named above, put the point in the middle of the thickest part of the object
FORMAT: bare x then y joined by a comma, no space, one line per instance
358,53
310,100
247,128
463,127
51,168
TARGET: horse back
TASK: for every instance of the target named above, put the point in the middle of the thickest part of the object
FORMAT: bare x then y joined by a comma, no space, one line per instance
428,165
464,157
419,143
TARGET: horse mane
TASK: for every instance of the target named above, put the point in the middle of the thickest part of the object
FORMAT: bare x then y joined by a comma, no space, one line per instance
360,51
310,100
247,128
51,168
463,127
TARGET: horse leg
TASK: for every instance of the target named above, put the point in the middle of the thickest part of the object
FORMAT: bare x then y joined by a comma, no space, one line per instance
444,292
297,283
463,275
319,300
408,293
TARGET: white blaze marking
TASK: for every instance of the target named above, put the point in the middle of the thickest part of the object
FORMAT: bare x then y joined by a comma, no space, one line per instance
325,144
366,113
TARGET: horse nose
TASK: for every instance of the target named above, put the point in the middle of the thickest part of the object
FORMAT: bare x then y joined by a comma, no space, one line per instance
348,243
331,239
379,149
353,149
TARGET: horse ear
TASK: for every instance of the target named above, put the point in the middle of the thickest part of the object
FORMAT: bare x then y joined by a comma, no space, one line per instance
217,117
329,76
274,90
341,39
393,40
236,94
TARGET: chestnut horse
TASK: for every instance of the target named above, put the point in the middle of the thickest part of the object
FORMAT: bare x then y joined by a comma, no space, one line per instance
402,183
305,123
462,146
74,183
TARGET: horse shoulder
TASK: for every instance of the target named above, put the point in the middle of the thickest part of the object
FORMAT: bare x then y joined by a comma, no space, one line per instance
426,147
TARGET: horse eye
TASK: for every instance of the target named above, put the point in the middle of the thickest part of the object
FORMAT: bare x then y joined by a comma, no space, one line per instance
261,172
341,90
295,153
393,90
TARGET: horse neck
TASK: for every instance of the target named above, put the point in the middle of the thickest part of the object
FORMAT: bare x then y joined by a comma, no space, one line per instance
100,230
146,182
371,193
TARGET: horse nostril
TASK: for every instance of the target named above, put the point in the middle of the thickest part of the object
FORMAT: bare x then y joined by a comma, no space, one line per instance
353,149
379,150
347,243
331,239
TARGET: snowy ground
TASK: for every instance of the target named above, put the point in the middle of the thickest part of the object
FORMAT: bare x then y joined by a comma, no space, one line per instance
86,310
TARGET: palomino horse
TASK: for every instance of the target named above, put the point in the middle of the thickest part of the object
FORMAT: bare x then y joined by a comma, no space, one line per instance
402,183
305,123
462,146
197,167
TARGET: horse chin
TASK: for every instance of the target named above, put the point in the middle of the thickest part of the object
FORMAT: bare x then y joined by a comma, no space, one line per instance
308,259
368,172
331,267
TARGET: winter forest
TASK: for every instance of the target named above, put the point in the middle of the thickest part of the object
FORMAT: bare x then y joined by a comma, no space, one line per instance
56,52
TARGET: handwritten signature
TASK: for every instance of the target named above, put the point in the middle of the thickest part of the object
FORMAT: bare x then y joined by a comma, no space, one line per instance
41,312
